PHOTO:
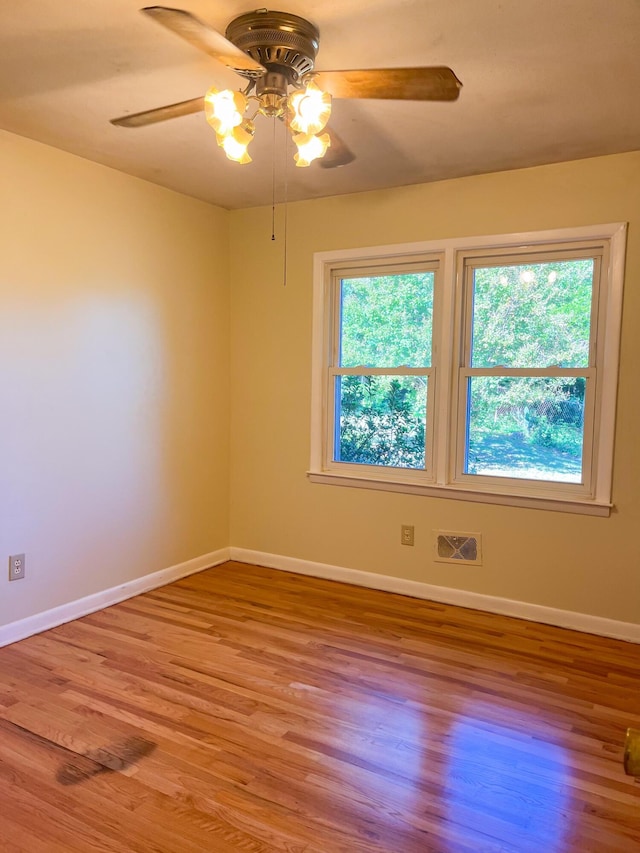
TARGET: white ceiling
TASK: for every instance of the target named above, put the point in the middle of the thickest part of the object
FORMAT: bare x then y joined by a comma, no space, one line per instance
544,81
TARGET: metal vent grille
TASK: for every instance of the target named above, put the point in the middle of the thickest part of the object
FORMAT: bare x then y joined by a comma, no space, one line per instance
456,547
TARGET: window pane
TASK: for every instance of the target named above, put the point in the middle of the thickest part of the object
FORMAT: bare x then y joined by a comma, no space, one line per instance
380,420
386,320
533,315
526,427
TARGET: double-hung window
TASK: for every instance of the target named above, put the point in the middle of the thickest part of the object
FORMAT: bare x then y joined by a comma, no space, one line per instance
481,369
382,365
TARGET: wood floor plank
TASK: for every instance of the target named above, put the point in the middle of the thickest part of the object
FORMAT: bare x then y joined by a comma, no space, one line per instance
245,709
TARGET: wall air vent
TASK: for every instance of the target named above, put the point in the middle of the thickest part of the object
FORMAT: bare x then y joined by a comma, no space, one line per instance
458,547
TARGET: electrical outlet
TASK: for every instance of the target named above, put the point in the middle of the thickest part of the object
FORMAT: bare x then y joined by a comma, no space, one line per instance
16,567
406,534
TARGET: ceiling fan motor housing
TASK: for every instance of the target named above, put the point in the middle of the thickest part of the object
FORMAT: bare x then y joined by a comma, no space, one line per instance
284,44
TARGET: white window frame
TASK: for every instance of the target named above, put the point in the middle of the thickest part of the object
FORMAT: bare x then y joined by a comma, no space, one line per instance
467,262
428,262
449,370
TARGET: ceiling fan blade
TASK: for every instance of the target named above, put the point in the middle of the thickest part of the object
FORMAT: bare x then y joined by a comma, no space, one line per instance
338,153
205,38
183,108
437,83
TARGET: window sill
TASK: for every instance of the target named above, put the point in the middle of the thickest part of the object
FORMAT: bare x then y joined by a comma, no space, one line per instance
556,504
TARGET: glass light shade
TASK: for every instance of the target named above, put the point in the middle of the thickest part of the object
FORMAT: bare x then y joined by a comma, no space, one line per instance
224,110
310,147
235,142
310,109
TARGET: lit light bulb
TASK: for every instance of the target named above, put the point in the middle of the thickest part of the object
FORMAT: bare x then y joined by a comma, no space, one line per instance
310,147
235,142
527,277
310,108
224,110
552,276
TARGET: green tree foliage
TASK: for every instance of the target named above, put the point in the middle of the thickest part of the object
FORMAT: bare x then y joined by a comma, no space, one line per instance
532,316
387,320
382,420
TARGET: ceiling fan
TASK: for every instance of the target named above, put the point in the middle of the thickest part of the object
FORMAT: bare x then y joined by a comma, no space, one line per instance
275,52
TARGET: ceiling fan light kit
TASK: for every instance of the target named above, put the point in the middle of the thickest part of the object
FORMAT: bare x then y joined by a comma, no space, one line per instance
284,46
235,142
275,52
310,147
305,112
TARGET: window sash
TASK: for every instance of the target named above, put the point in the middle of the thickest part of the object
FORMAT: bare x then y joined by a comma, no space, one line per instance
377,268
332,429
468,266
490,482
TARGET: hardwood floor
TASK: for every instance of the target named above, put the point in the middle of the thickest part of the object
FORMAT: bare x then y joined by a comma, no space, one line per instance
245,709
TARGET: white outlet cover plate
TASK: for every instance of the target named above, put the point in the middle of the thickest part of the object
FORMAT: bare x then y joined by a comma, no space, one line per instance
16,567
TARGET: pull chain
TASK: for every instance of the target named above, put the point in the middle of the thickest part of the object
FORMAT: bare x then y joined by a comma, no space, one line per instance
286,198
286,206
273,184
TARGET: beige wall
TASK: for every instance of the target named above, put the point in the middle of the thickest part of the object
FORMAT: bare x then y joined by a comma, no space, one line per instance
114,324
573,562
117,395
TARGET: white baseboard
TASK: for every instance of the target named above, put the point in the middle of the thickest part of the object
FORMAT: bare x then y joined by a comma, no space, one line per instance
629,631
22,628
